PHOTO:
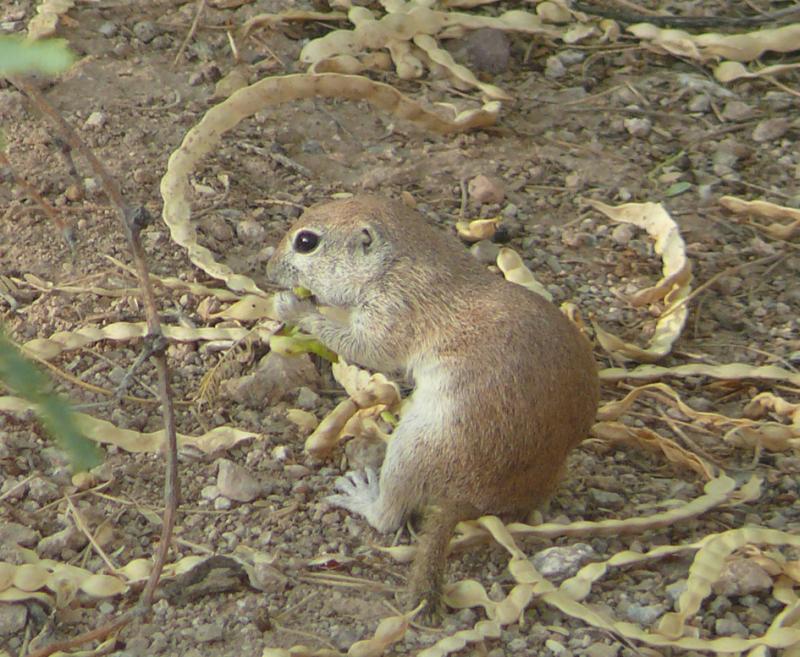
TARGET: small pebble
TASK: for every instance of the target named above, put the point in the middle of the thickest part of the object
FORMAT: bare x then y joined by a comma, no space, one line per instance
485,251
209,492
558,563
699,103
222,504
250,230
96,121
73,192
108,29
623,233
487,50
90,186
730,626
307,398
554,68
606,499
736,110
644,614
43,490
207,632
145,31
236,482
638,127
770,129
486,189
13,618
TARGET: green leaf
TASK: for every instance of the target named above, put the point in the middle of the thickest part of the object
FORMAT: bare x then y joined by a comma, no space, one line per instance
296,343
53,412
678,188
19,55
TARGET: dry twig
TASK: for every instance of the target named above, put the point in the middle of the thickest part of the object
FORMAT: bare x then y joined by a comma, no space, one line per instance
133,220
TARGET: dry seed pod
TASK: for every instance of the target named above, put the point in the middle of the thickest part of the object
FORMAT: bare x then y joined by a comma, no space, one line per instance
510,263
477,230
324,439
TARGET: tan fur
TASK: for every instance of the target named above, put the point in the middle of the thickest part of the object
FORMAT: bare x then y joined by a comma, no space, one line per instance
505,385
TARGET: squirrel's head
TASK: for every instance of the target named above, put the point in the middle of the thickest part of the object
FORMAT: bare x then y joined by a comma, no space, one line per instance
335,250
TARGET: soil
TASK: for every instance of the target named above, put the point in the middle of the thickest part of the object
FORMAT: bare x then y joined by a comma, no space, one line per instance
613,122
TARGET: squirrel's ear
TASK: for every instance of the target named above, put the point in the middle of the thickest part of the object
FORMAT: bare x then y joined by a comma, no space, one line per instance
367,239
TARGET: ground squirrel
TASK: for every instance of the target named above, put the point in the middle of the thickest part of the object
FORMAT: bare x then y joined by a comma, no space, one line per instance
505,384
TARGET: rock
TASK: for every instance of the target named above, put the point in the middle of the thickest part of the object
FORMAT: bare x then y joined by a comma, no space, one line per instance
554,68
106,608
236,482
467,617
726,155
719,605
251,231
779,100
209,492
485,251
222,504
307,398
570,57
728,285
638,126
485,190
364,452
90,186
730,626
70,538
606,499
236,79
272,380
295,471
43,490
644,614
137,646
13,618
208,632
12,533
108,29
510,211
699,103
96,121
266,577
145,31
676,589
217,227
770,129
736,110
487,50
559,563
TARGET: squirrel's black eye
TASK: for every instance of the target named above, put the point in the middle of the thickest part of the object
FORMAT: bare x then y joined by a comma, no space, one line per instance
305,241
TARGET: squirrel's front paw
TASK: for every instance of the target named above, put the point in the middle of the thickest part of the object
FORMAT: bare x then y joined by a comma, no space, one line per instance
290,308
359,492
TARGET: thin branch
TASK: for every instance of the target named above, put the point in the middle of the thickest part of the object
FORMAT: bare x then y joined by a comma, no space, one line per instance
201,6
132,222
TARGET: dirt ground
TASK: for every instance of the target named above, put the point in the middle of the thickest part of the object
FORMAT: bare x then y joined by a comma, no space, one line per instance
610,122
